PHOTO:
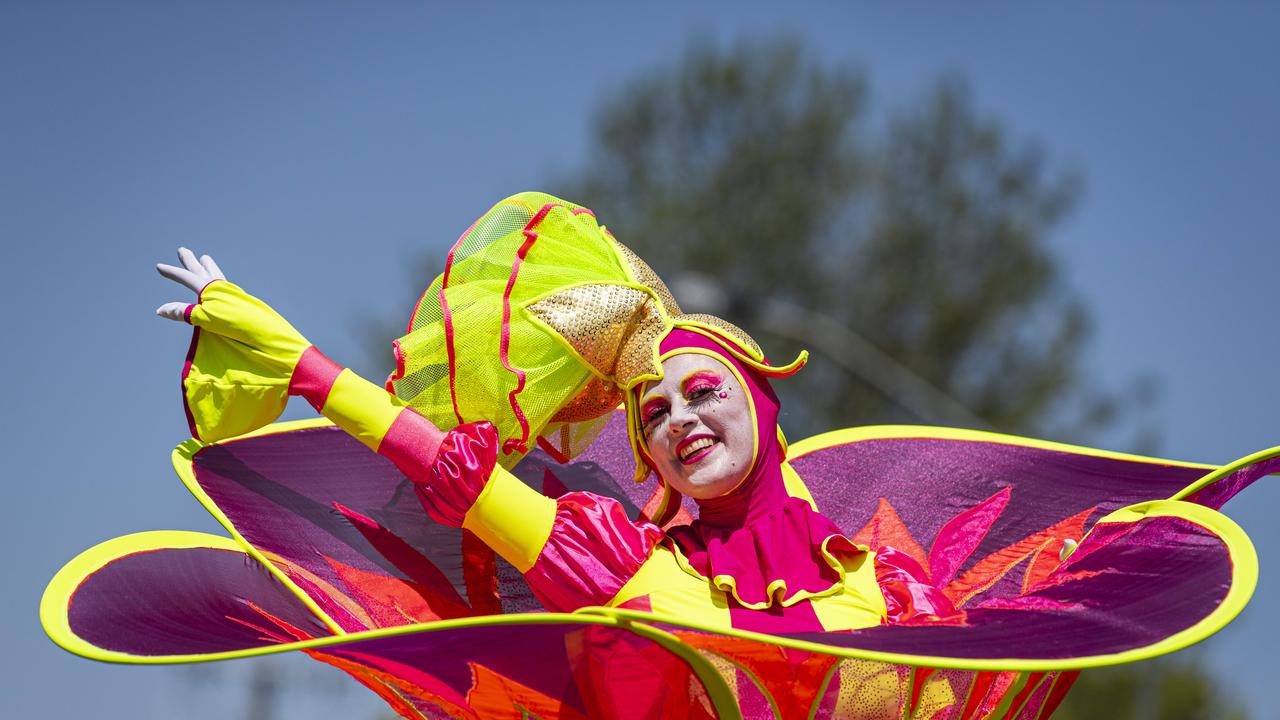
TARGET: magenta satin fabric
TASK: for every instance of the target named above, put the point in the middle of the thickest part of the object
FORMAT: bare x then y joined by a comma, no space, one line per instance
909,597
757,534
463,464
593,550
313,377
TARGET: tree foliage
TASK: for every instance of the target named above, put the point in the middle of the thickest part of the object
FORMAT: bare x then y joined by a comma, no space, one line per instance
923,232
1165,689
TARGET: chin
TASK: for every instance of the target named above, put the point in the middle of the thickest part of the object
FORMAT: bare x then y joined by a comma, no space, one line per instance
713,486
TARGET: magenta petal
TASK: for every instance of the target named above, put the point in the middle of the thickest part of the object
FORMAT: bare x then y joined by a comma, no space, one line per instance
960,536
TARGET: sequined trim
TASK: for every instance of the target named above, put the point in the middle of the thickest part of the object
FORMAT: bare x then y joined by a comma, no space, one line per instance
643,274
615,328
726,328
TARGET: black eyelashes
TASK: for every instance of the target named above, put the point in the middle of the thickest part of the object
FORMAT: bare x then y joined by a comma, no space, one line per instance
706,395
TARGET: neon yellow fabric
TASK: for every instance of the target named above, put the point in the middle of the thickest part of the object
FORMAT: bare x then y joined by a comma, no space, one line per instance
861,604
795,486
498,269
363,409
512,518
673,592
243,357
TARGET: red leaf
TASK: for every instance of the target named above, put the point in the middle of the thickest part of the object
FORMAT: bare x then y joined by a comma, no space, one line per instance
480,574
403,556
391,601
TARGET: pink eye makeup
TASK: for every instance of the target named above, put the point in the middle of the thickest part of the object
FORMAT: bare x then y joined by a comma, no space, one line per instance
652,409
700,381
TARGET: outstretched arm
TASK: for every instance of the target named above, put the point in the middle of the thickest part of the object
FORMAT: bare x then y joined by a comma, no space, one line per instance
577,551
279,354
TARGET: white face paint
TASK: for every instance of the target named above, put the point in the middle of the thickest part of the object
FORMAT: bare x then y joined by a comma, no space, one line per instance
697,425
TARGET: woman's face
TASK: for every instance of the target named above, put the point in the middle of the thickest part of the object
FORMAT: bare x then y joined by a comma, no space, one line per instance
697,425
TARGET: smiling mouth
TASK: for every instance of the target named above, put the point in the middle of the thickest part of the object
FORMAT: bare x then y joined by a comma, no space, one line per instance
694,449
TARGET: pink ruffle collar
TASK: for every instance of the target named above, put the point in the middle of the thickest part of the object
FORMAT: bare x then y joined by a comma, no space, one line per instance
782,557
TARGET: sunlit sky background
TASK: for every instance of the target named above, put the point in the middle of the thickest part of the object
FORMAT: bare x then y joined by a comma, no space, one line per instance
316,149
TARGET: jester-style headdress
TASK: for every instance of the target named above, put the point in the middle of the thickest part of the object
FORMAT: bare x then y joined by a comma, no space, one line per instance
541,323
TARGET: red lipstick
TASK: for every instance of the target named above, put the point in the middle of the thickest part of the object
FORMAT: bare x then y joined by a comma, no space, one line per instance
700,452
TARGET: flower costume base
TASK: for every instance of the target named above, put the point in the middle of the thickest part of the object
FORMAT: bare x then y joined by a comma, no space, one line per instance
940,581
437,625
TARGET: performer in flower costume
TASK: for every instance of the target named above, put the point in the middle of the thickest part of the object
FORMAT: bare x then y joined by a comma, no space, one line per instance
803,588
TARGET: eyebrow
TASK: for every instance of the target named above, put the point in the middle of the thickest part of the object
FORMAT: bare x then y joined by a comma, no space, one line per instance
708,375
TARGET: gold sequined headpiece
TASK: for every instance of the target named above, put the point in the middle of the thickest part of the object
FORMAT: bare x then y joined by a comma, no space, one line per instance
540,323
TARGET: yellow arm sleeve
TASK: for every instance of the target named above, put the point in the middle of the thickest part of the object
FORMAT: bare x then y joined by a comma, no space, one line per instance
512,518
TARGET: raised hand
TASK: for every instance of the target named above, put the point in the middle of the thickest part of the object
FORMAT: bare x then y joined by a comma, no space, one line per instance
194,274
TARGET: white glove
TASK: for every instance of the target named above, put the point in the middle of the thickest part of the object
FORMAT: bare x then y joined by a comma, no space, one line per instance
194,274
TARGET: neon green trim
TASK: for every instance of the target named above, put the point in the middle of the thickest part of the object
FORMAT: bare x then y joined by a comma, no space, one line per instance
1243,558
56,600
884,432
1226,470
822,691
183,458
62,635
715,334
722,698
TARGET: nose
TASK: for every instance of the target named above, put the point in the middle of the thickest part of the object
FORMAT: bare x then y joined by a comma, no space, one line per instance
681,420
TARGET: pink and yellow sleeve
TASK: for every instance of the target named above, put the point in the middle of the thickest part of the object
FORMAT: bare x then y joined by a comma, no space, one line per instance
574,551
244,363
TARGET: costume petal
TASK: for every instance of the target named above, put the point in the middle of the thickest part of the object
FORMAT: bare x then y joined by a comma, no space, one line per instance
345,549
171,596
330,515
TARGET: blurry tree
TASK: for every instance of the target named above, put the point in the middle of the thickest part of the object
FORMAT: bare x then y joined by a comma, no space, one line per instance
915,255
1170,688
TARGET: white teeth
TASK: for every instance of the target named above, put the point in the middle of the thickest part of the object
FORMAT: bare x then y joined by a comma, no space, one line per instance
695,446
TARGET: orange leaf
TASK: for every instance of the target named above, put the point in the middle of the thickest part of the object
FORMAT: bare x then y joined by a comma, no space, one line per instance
1046,559
886,528
990,569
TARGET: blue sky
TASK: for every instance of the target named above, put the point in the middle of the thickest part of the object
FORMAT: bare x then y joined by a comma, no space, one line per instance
316,152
